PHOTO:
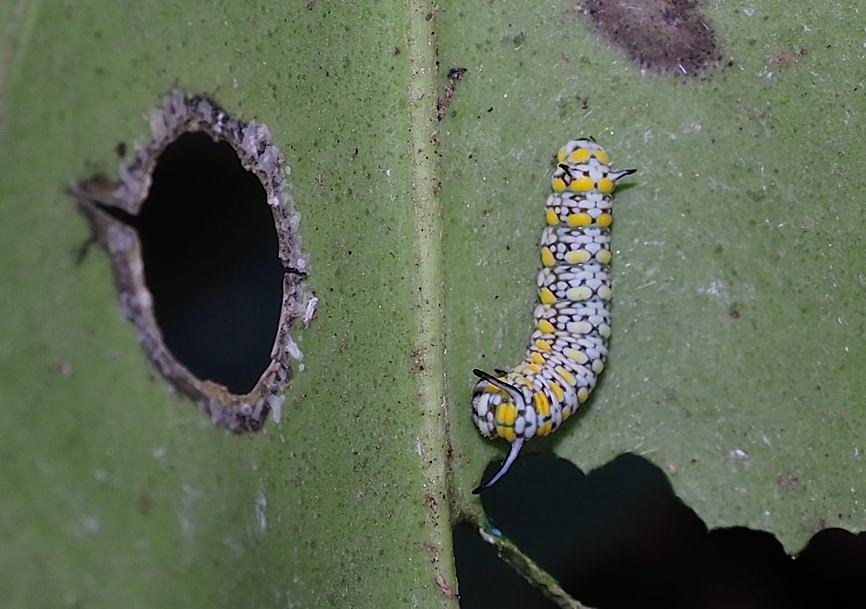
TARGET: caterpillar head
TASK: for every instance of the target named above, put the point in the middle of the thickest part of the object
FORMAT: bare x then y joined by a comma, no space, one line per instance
583,166
495,404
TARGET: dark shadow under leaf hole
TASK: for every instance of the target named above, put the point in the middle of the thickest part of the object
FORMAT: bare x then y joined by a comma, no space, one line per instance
210,254
619,538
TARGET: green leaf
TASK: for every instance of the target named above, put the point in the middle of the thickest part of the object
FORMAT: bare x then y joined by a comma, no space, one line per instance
738,342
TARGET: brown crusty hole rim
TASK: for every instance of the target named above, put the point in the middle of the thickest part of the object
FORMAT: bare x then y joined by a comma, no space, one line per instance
251,141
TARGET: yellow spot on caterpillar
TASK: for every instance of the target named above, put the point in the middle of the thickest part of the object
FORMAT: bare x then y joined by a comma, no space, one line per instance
551,217
546,327
500,413
545,429
558,184
604,256
577,356
605,185
605,292
533,368
583,394
577,256
601,155
582,184
604,220
542,405
566,412
557,391
597,366
506,432
567,376
491,388
537,358
580,155
560,156
579,219
581,293
547,297
543,345
547,258
506,414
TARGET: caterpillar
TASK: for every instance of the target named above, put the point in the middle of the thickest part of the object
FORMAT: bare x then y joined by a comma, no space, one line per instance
568,348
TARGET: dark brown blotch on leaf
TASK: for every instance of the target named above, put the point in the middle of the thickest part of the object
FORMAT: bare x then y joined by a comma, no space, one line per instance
661,35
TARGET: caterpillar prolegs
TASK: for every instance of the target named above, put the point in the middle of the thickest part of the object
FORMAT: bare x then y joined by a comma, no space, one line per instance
568,349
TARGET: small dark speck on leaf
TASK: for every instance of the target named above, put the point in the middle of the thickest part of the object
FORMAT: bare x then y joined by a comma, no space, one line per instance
517,39
63,368
788,482
784,58
454,76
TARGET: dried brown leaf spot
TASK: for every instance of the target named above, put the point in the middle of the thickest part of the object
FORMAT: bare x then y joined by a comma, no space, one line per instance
660,35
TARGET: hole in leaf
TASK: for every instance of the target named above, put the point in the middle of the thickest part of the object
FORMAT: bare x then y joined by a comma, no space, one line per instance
204,248
210,261
619,538
488,581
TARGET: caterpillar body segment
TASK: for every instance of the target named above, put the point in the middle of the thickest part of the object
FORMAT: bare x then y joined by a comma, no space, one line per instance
568,349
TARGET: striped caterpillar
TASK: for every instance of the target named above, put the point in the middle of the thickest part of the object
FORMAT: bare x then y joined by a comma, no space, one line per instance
569,346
